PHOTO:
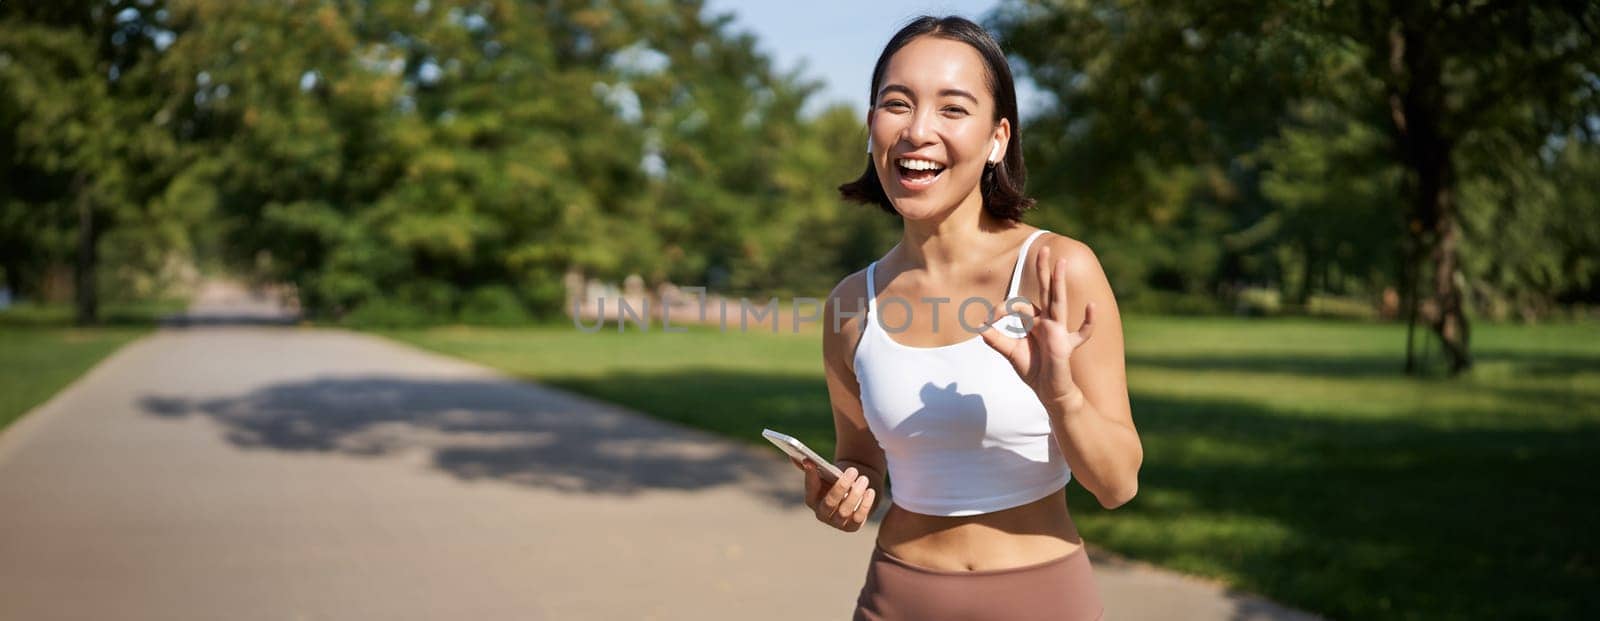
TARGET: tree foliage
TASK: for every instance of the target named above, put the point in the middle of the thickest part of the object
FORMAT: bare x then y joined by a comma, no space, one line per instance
85,140
1338,147
426,160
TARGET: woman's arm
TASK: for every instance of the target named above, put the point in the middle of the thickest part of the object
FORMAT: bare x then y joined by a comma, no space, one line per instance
847,503
854,443
1079,375
1094,424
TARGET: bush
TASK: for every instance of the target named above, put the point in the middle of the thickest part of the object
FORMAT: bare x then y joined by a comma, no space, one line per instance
545,297
387,313
437,299
494,305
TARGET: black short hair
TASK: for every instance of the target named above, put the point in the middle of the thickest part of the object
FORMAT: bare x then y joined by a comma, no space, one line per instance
1002,183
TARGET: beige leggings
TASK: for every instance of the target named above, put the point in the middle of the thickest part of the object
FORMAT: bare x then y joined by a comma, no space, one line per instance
1061,589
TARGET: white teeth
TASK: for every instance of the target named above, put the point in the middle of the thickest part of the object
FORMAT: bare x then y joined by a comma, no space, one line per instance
918,164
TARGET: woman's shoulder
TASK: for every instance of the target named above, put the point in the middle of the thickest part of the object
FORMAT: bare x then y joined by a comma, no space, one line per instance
1080,256
1083,265
850,287
848,297
843,314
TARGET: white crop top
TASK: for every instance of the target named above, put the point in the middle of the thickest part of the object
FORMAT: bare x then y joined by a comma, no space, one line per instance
962,433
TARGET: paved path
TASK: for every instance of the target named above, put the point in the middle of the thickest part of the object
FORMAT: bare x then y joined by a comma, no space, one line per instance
255,472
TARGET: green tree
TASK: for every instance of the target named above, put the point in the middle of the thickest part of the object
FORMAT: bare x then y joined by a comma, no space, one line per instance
88,146
1529,235
1460,92
422,161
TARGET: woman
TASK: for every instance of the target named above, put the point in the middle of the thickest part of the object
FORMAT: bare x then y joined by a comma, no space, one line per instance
980,430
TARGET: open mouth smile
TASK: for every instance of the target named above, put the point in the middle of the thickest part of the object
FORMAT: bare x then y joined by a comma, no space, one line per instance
917,174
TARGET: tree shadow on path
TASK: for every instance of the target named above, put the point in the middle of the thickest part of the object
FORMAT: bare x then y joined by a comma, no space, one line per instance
487,429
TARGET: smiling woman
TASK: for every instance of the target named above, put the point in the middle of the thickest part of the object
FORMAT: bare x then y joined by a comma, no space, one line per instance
949,52
980,435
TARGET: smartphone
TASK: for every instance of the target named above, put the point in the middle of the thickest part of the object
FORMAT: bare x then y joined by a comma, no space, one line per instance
801,452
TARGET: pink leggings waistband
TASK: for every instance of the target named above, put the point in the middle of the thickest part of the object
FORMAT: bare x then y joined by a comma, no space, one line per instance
1061,589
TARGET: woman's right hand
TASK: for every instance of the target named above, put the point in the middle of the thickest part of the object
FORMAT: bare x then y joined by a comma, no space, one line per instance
845,504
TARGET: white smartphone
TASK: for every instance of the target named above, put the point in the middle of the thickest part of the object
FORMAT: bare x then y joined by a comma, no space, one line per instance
801,452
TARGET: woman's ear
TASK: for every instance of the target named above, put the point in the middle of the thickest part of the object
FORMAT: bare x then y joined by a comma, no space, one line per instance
1002,136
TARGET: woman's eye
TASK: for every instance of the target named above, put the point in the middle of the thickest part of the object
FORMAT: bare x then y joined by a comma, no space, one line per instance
894,104
955,111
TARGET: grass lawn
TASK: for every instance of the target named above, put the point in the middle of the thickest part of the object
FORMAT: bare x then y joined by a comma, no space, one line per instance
1287,457
41,352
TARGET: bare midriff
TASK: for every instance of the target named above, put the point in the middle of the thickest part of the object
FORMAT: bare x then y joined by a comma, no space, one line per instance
1033,533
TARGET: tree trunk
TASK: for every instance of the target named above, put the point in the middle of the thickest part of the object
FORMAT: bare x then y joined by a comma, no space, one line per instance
1416,106
88,307
1307,270
1436,201
1408,278
1451,322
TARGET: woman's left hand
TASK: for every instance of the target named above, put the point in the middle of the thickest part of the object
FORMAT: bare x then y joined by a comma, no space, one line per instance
1043,359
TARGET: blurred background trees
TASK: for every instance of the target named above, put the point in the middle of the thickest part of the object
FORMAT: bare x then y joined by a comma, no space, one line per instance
1335,148
441,160
417,161
86,152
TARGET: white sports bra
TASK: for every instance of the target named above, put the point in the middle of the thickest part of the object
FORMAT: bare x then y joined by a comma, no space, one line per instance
962,433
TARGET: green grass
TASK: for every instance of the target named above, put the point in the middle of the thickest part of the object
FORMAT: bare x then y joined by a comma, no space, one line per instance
1287,457
41,352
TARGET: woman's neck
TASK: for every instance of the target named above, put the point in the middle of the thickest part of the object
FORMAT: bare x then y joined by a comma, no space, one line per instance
960,236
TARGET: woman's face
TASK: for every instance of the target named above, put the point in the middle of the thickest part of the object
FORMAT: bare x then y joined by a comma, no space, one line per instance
932,127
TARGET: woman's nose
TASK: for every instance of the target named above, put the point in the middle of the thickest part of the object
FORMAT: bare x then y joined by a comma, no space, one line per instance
921,129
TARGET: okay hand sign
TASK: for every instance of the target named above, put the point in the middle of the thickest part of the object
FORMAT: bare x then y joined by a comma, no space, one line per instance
1043,358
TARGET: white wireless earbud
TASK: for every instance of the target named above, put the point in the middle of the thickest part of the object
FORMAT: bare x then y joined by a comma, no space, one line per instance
869,144
994,154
